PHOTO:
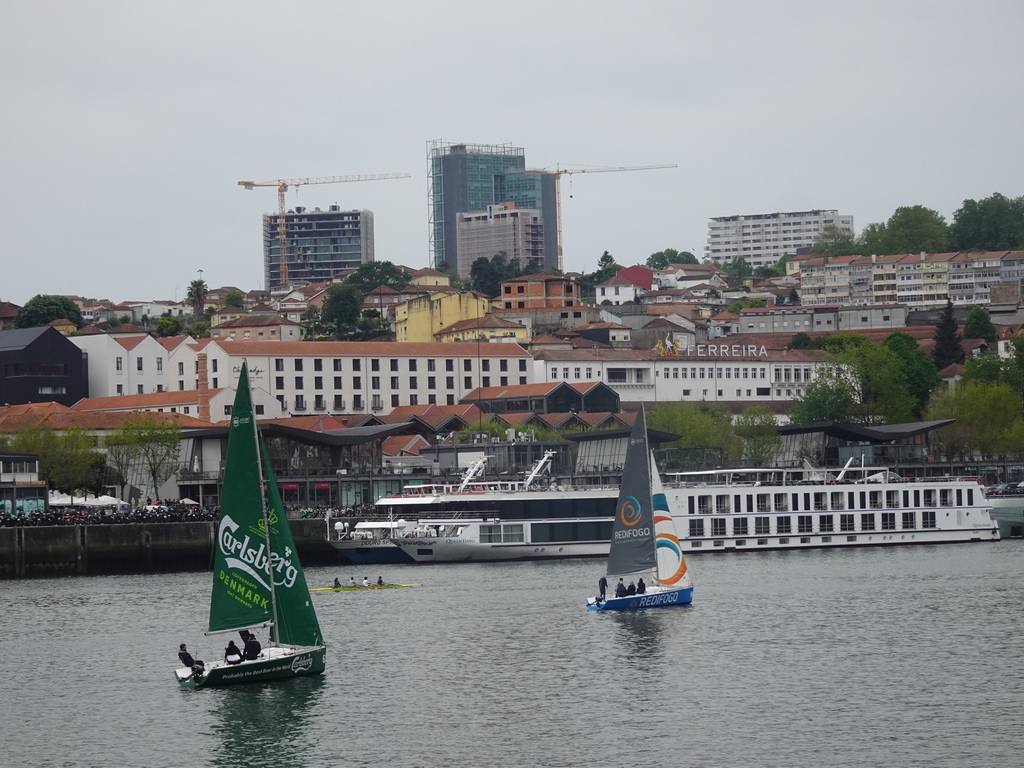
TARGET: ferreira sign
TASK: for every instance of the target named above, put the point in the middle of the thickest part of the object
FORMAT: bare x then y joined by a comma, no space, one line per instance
667,349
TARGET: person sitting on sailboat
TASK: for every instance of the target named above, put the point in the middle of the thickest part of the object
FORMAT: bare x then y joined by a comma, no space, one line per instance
352,581
620,589
337,583
631,589
366,581
380,581
196,665
252,648
231,654
641,588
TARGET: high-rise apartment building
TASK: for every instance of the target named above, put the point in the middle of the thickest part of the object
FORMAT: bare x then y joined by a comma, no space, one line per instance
516,232
468,178
319,244
761,239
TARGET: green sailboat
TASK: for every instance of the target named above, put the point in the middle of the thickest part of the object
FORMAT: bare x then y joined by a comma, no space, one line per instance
258,584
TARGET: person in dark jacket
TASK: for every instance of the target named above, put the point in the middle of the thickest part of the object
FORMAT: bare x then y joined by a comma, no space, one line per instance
187,660
252,647
231,654
602,586
631,589
620,589
641,588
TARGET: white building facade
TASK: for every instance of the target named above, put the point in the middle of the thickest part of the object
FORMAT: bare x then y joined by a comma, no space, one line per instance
713,372
357,377
761,239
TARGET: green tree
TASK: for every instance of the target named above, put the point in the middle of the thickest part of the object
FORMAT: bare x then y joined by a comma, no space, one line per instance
485,277
44,308
121,460
196,297
374,274
67,458
234,299
827,398
995,223
759,431
661,259
157,445
911,229
988,417
740,304
881,389
342,308
800,340
701,425
312,322
947,349
987,368
979,326
835,241
606,269
168,326
918,367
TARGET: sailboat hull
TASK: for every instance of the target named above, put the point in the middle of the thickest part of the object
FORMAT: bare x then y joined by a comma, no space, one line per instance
682,596
274,664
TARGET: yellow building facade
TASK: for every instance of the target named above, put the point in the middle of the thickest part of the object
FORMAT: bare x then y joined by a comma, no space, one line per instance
418,319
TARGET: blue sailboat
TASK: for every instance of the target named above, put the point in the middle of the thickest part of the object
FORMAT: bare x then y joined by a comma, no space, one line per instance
644,541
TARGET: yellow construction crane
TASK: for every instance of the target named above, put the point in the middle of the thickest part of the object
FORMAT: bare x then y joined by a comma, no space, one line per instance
282,187
558,172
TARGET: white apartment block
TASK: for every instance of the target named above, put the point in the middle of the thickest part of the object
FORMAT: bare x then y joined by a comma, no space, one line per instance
325,377
917,280
761,239
712,372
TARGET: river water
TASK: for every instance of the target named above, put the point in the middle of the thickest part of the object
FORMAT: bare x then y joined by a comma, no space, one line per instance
902,657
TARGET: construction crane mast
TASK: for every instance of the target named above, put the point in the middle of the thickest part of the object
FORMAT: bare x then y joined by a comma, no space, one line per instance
558,172
282,187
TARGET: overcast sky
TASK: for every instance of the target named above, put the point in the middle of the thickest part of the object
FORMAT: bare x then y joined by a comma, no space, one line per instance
126,125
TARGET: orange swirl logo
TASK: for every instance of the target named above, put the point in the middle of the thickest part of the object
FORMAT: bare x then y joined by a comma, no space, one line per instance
630,511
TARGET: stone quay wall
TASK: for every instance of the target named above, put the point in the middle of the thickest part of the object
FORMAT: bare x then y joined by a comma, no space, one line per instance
82,550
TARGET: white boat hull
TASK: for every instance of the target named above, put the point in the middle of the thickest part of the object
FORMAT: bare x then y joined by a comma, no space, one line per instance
458,550
797,516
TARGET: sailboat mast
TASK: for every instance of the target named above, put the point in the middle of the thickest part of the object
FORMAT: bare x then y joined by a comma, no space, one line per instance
275,630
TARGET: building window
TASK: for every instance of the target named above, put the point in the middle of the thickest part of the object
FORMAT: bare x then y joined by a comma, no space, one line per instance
298,382
375,382
138,364
467,365
468,383
160,364
449,383
394,401
318,364
375,364
357,382
278,364
298,364
279,382
394,382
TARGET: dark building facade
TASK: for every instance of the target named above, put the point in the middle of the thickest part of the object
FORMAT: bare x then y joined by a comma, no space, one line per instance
319,244
467,178
40,365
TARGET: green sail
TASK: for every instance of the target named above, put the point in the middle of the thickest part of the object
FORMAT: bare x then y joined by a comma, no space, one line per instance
244,594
